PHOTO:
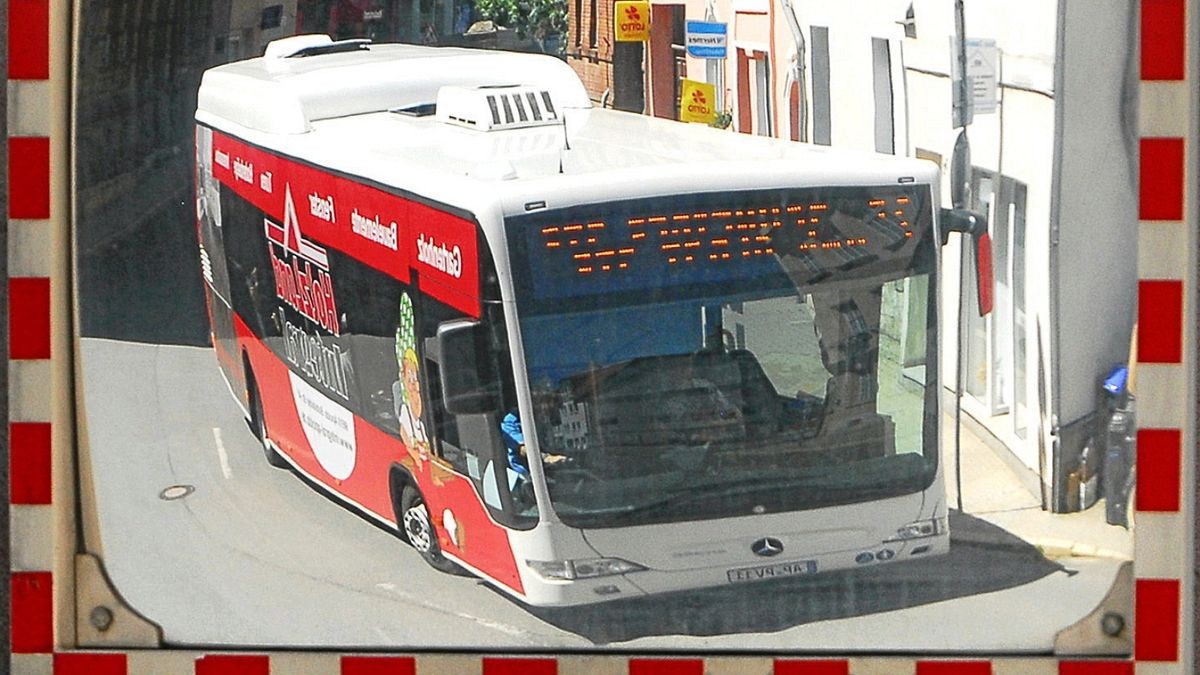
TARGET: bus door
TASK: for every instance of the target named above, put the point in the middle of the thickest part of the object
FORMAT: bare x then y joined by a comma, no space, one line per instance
474,494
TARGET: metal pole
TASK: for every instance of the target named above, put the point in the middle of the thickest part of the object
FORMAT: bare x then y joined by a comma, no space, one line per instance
958,375
959,173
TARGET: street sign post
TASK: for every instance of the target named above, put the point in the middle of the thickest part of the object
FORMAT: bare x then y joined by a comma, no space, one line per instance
706,39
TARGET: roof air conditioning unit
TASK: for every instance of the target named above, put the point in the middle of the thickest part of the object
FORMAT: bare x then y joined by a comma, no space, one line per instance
496,107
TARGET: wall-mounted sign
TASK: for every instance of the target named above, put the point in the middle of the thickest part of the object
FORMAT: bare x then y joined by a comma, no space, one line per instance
697,102
983,67
706,39
632,20
983,75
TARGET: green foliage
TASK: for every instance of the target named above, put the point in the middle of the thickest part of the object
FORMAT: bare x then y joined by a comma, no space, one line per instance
502,12
546,18
537,19
722,119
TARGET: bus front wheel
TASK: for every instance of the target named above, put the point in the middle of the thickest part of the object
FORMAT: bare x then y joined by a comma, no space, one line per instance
260,430
418,529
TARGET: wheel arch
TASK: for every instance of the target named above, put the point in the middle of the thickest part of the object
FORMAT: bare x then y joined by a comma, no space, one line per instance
400,477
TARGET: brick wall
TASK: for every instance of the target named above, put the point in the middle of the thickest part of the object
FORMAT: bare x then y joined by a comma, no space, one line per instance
593,62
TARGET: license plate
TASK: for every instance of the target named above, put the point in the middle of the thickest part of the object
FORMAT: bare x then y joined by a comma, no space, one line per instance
785,569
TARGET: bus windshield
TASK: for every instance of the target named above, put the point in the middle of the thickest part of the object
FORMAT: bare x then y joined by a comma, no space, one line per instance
781,356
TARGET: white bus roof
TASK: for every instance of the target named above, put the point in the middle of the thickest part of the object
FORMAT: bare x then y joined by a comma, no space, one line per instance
285,94
337,111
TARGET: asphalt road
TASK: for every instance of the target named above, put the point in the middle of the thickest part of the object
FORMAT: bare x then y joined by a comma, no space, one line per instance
255,557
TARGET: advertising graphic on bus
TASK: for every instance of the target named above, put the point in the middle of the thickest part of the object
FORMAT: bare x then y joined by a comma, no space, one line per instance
582,354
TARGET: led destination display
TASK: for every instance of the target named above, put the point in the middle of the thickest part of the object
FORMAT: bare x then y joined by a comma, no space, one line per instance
803,235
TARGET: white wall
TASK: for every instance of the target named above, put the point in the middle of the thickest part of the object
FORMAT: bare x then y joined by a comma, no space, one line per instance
1017,141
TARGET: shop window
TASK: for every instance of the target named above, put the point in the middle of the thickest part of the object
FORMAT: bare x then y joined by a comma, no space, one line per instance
578,23
996,357
821,119
881,67
272,17
1020,358
593,25
753,92
762,86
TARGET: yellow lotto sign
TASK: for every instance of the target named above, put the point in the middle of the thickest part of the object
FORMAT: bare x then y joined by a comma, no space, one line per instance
697,102
632,20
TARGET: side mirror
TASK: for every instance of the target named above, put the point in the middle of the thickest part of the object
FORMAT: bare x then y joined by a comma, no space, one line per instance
975,225
468,378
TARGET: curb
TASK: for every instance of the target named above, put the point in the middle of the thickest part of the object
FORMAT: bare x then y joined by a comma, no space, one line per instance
1063,548
1049,547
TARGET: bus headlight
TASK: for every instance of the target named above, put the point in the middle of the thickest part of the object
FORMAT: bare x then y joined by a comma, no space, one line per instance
920,529
569,570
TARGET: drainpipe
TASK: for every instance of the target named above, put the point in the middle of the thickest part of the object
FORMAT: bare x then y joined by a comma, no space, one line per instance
796,71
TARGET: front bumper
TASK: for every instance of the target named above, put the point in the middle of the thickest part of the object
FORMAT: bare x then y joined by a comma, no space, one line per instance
541,592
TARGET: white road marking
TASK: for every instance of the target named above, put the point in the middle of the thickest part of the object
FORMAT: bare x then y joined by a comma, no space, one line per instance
221,454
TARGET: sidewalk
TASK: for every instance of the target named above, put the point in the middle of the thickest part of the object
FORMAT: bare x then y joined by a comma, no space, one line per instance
992,493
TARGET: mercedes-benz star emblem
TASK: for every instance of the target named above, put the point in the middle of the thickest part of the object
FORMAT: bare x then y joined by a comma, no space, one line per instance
767,547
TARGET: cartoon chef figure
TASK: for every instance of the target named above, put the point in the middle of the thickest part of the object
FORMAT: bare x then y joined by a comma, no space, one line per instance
406,392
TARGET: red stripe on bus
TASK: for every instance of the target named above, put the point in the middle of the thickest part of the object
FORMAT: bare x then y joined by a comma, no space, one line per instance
29,318
379,665
1163,39
954,668
32,612
29,462
28,39
811,667
666,666
1095,668
513,666
1159,468
29,177
385,231
233,664
1160,176
82,663
1156,608
1160,321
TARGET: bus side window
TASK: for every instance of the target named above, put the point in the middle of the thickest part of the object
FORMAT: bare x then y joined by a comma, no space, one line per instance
252,282
448,445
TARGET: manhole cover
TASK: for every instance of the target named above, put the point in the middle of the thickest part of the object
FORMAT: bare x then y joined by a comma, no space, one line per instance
176,492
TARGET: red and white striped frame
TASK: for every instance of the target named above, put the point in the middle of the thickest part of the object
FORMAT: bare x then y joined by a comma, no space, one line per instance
42,415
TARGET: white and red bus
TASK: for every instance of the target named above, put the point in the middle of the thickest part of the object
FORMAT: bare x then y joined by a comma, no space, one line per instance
721,349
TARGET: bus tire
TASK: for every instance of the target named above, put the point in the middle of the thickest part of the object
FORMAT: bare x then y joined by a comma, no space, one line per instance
418,529
259,424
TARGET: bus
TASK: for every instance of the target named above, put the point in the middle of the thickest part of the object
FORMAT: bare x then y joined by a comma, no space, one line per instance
580,353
